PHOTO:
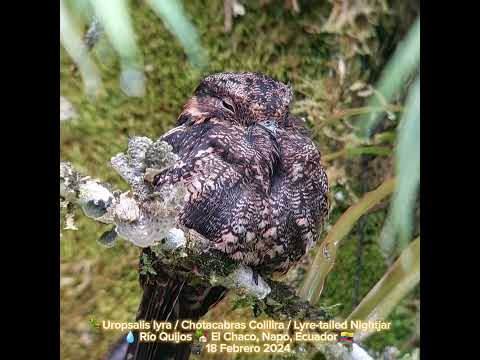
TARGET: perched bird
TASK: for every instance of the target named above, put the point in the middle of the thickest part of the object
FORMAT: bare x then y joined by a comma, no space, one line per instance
255,187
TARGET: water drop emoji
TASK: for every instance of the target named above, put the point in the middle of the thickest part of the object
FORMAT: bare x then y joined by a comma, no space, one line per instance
130,338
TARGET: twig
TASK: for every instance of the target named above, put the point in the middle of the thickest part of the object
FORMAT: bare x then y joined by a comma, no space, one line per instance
358,151
228,15
359,111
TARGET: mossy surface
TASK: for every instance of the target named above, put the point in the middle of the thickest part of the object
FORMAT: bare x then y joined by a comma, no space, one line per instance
103,282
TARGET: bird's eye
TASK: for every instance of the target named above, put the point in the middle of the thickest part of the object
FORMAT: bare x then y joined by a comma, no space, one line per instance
227,105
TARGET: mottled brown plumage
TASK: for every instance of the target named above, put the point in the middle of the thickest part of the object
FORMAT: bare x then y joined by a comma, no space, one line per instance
256,188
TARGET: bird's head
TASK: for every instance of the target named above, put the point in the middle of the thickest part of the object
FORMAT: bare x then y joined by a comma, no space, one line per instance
241,98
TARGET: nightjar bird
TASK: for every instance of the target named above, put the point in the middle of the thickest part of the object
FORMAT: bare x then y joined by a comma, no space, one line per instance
255,187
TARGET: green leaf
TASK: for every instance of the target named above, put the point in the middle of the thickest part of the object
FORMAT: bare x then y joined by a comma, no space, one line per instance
400,279
115,18
147,267
404,62
173,15
326,254
407,156
71,40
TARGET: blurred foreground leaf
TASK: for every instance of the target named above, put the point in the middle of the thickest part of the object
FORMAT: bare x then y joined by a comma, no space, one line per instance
72,41
342,114
115,18
405,61
407,156
173,15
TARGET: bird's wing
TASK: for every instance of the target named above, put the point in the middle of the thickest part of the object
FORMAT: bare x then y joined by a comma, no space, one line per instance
299,197
222,171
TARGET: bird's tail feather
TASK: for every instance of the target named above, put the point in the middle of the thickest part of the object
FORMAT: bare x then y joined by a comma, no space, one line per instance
167,297
160,301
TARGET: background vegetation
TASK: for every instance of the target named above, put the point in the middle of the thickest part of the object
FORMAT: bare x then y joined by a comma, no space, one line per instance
332,53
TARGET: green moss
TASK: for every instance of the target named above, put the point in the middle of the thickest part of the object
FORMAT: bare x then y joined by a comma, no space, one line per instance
147,267
319,356
216,264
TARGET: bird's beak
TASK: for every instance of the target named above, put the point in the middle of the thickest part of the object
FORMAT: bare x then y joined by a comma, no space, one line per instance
270,125
192,112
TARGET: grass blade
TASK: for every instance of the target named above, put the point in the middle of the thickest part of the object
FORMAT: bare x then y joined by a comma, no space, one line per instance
400,279
325,258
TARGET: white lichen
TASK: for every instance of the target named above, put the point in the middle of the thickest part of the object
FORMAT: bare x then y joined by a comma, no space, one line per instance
94,198
242,280
175,239
67,111
127,210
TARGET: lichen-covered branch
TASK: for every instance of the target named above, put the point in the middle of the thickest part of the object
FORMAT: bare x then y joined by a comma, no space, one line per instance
146,217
